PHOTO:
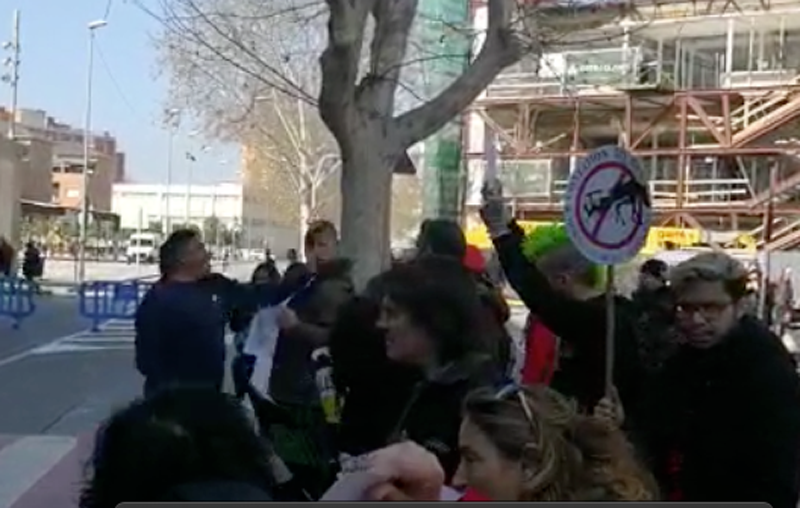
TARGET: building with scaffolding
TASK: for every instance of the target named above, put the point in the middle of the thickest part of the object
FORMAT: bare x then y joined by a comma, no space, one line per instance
706,94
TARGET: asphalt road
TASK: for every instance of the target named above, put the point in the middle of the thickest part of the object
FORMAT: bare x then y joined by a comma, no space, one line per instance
59,376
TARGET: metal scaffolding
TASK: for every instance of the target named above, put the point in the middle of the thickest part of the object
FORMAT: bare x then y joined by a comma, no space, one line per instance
707,94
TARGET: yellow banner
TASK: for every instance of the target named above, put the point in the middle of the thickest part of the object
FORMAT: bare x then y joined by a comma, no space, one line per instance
657,239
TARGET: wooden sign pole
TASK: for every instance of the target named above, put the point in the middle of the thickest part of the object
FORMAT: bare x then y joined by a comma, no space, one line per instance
610,328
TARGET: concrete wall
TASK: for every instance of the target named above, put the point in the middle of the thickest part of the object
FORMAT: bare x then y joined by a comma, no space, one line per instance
70,186
37,164
10,191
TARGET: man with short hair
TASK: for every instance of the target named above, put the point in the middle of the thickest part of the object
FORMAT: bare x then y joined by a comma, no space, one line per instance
314,306
441,237
180,324
724,420
305,322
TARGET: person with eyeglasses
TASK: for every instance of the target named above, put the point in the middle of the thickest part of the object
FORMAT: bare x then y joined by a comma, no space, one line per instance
723,423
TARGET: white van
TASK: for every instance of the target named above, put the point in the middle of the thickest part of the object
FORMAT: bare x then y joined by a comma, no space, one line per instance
143,248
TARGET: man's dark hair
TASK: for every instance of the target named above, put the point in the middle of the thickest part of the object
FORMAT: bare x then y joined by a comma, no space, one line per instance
442,237
172,250
178,436
317,229
656,268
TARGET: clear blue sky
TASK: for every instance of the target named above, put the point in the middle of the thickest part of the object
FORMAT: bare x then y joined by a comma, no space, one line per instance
128,96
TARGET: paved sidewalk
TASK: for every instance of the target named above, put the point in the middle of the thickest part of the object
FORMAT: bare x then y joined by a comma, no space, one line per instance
42,471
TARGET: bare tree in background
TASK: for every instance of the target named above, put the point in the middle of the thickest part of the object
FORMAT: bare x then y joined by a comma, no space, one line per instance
290,139
253,46
248,70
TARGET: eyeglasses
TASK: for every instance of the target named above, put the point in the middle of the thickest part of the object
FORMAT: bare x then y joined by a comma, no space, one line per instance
705,309
515,390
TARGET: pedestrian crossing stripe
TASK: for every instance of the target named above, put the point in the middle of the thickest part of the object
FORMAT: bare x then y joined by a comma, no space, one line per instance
113,335
42,470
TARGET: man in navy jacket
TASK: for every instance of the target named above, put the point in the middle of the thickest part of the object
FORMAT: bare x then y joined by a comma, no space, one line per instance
180,324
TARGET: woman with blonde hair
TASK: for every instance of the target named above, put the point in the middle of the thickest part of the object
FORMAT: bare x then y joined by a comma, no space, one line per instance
531,444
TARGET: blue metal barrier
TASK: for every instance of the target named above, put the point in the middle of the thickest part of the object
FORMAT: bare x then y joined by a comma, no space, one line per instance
104,300
17,299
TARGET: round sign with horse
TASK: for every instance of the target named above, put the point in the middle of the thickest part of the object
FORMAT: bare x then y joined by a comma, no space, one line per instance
608,209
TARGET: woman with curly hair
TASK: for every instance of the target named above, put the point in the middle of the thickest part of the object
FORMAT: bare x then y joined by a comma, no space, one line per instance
430,315
531,444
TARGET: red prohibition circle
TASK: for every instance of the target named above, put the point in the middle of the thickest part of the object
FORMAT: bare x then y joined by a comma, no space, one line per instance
590,236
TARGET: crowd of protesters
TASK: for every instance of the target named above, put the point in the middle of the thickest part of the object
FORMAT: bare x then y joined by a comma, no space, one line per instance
432,391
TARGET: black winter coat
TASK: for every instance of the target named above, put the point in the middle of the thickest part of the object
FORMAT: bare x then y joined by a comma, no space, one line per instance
724,424
581,327
432,416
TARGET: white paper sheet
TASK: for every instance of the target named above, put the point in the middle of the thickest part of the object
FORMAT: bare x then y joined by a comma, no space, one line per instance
450,494
261,343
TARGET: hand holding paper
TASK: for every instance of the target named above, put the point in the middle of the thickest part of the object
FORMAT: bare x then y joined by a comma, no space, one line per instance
287,318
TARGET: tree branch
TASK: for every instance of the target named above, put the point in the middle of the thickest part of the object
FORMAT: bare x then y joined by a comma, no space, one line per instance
377,90
500,49
178,25
340,62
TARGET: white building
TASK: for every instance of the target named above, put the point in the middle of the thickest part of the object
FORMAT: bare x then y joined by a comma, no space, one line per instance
144,205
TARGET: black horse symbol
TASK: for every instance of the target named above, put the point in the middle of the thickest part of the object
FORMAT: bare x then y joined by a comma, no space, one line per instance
626,192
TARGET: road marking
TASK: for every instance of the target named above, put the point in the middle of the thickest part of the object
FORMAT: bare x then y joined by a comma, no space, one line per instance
113,335
25,461
29,352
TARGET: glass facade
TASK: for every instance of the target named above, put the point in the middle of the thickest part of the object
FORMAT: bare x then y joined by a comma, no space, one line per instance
445,41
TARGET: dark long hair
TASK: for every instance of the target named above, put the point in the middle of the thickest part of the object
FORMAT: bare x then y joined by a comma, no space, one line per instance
441,296
358,348
374,388
176,437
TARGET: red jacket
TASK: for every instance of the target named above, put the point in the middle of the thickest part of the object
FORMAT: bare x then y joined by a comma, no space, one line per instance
474,260
541,353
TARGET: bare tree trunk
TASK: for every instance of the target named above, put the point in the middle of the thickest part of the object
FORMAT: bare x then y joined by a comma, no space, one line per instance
364,237
360,113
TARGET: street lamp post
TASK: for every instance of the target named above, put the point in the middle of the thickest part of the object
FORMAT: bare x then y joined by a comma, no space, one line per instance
172,121
13,76
87,134
190,176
